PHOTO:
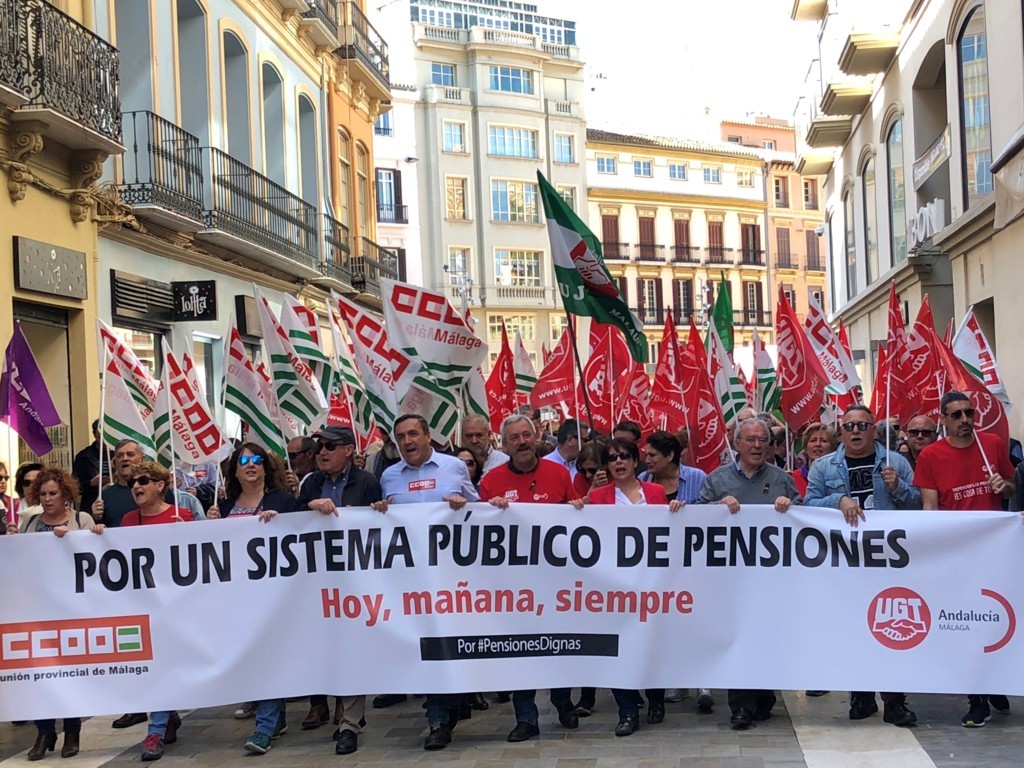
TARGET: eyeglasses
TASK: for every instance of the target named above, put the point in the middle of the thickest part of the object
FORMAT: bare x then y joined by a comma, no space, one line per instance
327,445
957,415
254,460
863,426
619,457
588,471
921,432
295,454
142,480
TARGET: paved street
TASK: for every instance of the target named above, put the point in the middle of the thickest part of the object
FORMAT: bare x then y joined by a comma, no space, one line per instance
811,733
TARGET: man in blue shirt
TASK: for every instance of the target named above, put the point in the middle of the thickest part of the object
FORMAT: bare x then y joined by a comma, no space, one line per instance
424,475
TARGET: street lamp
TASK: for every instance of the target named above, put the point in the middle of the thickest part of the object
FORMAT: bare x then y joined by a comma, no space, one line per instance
464,289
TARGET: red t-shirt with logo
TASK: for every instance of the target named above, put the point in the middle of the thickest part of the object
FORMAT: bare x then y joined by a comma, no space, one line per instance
960,474
170,515
548,483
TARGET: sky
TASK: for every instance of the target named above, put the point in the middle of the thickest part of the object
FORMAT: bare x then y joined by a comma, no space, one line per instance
679,67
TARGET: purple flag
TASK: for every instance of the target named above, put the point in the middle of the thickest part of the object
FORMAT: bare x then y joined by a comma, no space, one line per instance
25,404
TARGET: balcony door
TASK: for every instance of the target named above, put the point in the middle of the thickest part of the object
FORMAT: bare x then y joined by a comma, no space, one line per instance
645,226
610,237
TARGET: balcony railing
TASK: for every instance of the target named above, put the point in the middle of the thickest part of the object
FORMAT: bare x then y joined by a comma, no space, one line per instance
71,71
815,265
751,257
162,166
650,251
685,254
14,62
717,254
337,251
370,264
649,315
383,130
251,207
325,12
516,292
615,251
752,318
365,44
392,214
785,261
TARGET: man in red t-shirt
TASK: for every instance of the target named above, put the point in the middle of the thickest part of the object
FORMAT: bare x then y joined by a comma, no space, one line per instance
966,471
525,479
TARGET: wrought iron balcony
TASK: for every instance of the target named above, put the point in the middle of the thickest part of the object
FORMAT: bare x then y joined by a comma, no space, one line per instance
364,44
681,315
815,265
649,252
615,251
370,264
336,267
751,257
649,315
320,23
248,213
14,64
716,254
383,130
752,318
162,172
392,214
71,83
785,261
685,254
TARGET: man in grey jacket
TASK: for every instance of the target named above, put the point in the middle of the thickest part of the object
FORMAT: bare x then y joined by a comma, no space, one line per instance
863,475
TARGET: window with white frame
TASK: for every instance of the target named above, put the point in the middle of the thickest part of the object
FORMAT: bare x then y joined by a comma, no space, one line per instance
607,164
565,148
768,144
383,125
517,267
568,194
442,74
643,168
525,324
712,174
558,324
745,179
677,171
454,136
514,201
434,17
455,197
458,265
511,142
511,80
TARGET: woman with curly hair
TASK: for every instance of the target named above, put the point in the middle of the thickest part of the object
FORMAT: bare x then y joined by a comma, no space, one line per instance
254,485
53,491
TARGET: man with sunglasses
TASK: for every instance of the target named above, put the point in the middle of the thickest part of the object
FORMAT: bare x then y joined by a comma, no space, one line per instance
968,471
526,479
302,462
921,432
337,483
861,474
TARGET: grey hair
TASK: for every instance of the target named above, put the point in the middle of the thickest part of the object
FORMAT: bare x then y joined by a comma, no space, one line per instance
750,422
515,418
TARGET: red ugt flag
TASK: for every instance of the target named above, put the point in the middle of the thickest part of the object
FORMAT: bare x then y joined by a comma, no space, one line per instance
801,377
501,384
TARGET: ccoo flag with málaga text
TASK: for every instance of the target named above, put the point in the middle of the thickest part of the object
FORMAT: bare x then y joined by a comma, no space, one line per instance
586,286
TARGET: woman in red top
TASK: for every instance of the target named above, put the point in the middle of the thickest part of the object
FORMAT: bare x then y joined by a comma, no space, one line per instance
590,471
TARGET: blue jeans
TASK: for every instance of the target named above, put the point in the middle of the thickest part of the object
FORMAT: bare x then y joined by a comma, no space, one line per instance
268,712
525,705
158,723
439,707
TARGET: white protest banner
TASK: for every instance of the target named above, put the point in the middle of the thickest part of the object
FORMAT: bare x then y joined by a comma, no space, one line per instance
178,616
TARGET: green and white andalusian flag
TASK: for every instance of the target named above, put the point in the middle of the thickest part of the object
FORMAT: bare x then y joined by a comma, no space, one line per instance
302,327
769,396
121,417
349,385
584,283
136,376
728,386
474,395
721,316
243,396
526,375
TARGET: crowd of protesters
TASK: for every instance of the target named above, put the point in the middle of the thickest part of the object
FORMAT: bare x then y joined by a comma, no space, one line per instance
856,466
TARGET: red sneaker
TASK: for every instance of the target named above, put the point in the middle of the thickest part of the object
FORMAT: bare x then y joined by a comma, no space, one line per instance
152,748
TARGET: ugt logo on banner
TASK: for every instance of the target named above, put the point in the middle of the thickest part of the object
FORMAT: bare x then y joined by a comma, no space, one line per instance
899,618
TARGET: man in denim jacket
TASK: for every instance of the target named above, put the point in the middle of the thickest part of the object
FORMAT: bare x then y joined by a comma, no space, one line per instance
861,475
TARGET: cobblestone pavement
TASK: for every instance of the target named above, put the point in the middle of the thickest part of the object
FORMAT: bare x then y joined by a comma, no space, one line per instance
804,733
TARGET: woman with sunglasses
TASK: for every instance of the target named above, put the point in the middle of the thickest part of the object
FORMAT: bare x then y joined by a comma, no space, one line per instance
53,491
255,485
590,471
625,489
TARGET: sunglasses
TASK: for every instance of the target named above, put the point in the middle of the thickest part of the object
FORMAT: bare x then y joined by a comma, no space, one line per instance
254,460
921,432
142,480
588,471
327,445
4,478
863,426
957,415
296,454
619,457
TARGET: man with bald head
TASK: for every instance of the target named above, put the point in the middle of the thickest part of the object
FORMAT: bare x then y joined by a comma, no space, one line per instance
476,438
921,432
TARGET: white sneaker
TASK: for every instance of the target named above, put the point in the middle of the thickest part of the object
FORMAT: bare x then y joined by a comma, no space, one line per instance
245,711
673,695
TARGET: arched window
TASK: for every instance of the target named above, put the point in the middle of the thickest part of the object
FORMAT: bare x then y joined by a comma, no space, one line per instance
193,69
975,116
897,193
363,189
851,245
344,178
307,151
236,98
867,180
272,95
135,53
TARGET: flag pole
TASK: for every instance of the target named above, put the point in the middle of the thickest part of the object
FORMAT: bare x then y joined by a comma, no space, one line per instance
611,384
103,409
888,408
579,369
165,377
